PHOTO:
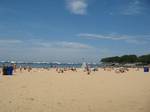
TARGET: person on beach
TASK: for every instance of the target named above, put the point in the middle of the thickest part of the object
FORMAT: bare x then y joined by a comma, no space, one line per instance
29,68
4,70
60,70
57,69
88,69
20,68
14,67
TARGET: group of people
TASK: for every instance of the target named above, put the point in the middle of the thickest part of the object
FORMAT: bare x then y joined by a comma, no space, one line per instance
125,69
121,70
62,70
117,70
86,69
10,69
28,68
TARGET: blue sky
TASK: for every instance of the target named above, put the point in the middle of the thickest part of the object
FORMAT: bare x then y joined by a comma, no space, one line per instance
70,30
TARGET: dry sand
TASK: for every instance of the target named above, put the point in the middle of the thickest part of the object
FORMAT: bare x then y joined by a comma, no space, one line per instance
102,91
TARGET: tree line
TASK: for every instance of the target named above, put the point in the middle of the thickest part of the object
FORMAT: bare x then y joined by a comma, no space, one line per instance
144,59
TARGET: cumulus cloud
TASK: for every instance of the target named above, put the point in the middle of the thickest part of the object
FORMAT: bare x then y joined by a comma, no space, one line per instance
78,7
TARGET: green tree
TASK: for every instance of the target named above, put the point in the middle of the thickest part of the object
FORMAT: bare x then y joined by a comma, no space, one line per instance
145,59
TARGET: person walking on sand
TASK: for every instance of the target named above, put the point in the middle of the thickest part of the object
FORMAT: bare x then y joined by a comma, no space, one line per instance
20,68
14,67
88,69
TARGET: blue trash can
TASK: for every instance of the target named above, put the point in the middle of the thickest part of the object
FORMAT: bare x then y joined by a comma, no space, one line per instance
146,69
9,70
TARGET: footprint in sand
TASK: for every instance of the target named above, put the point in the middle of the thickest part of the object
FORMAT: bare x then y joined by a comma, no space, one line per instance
45,105
89,108
73,100
23,87
10,102
110,101
59,103
31,99
141,108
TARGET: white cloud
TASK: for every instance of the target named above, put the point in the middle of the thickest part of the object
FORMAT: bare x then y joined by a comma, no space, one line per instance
134,7
135,39
9,41
41,50
63,44
73,45
78,7
100,36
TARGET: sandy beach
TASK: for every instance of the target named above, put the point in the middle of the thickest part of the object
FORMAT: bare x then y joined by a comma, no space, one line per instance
101,91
